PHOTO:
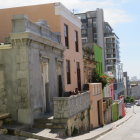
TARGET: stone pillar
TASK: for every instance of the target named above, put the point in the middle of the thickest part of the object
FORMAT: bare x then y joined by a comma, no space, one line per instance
19,23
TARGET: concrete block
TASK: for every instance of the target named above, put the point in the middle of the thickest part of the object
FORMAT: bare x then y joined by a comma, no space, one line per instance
1,85
25,116
24,82
21,74
22,91
1,123
23,66
3,131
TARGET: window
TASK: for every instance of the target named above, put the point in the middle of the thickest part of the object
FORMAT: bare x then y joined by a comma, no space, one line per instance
76,41
84,31
68,71
66,36
109,69
84,40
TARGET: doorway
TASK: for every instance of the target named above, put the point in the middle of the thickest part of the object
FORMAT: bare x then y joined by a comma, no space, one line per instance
59,79
78,76
99,115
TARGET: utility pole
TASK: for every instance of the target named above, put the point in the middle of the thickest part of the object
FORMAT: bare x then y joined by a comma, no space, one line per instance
73,11
133,109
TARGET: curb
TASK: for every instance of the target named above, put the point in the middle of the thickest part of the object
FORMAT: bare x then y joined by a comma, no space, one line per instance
22,133
108,130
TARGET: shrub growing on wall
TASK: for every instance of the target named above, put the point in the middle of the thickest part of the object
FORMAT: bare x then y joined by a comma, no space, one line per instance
129,99
101,78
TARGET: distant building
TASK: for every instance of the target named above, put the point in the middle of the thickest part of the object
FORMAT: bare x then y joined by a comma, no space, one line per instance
127,90
92,29
112,58
134,78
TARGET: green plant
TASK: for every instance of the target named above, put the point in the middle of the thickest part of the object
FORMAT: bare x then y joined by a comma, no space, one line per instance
101,78
82,116
66,131
129,99
75,131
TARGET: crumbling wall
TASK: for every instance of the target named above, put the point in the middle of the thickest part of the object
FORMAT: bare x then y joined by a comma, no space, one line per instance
3,99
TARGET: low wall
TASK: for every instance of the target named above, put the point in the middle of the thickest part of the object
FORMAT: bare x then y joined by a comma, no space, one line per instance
75,110
108,115
66,107
120,105
115,115
78,123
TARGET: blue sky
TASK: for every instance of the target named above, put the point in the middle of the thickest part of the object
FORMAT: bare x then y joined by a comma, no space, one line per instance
123,16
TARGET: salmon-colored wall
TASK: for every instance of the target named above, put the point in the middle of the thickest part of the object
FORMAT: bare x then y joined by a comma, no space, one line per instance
71,54
34,13
56,23
95,96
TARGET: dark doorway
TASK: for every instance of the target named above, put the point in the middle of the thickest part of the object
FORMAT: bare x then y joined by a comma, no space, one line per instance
60,86
78,76
99,115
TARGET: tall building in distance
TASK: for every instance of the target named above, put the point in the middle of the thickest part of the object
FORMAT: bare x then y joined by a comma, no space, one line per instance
111,41
112,58
92,29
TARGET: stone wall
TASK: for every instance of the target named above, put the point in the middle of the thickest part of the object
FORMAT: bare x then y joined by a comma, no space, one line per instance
15,72
78,123
3,99
21,63
66,107
75,110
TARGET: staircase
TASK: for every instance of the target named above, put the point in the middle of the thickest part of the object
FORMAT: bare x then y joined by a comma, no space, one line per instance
49,122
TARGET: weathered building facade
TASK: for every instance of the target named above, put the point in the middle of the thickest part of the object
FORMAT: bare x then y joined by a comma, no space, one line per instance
31,67
60,19
89,62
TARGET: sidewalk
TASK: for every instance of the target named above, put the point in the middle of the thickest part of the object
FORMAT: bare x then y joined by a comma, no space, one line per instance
94,134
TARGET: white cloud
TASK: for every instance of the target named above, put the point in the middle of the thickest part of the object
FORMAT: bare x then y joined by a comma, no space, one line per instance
116,16
124,1
113,14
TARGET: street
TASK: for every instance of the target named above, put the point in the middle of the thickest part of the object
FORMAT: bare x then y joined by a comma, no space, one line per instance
130,130
9,137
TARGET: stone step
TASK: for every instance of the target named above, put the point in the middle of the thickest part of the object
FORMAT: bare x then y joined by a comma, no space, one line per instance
44,119
60,132
55,125
4,115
